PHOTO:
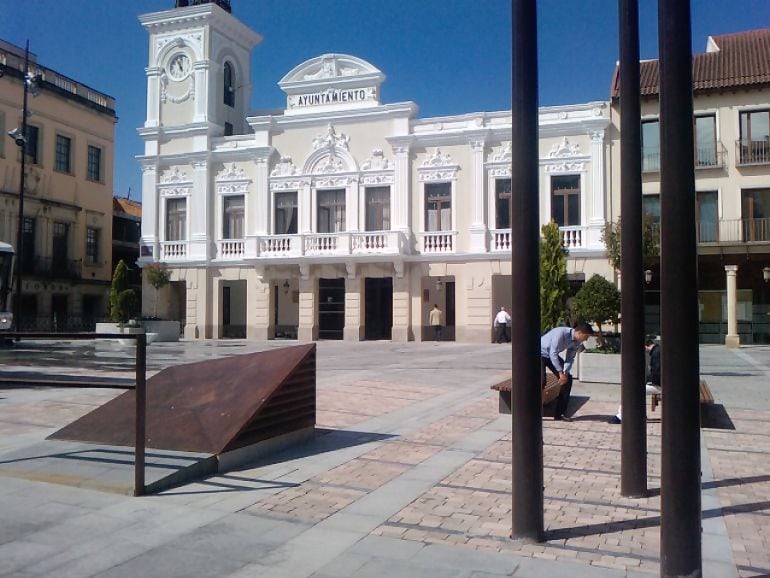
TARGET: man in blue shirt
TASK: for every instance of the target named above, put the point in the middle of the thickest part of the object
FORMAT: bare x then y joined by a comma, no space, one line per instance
552,344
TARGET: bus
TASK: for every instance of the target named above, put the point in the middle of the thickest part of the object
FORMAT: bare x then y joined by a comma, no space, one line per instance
6,269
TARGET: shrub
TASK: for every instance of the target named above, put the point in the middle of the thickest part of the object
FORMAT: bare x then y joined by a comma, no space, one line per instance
553,278
158,276
124,302
597,302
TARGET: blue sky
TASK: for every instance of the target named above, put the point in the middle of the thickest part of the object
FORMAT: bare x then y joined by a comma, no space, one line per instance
448,56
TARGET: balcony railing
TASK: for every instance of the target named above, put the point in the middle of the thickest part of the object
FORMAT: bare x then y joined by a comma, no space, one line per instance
501,239
51,268
437,242
755,152
727,231
706,157
345,243
574,237
230,249
173,250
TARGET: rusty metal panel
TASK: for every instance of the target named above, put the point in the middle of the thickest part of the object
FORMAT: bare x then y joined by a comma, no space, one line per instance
213,406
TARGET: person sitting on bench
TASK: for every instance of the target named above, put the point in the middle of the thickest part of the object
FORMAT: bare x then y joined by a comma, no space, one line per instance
554,342
652,386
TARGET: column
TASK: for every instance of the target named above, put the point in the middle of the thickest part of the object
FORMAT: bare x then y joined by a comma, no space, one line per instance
400,193
732,339
198,213
402,305
308,307
153,96
203,90
259,307
354,329
597,201
150,210
478,229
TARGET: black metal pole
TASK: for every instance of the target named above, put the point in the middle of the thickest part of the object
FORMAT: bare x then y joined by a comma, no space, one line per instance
22,184
680,507
141,414
526,397
633,461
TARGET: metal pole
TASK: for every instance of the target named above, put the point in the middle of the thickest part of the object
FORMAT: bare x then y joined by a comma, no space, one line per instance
633,462
22,184
680,508
526,397
141,413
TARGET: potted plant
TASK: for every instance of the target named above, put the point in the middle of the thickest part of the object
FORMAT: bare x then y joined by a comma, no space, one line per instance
158,276
598,303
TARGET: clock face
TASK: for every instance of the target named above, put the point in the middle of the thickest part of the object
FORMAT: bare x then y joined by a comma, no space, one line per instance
179,67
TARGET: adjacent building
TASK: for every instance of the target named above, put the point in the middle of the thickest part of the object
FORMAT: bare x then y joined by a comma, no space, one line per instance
731,100
340,216
67,221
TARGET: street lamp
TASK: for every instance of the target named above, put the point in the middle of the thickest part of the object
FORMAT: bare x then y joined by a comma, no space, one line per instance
648,276
766,274
439,284
19,136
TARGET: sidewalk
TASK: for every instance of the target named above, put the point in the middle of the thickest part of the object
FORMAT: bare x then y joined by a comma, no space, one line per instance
409,475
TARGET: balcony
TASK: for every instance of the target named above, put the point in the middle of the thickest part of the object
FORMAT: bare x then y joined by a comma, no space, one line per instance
52,268
755,152
706,157
734,231
436,242
322,244
230,249
173,250
571,238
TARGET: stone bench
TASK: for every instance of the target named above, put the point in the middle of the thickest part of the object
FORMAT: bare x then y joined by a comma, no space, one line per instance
550,392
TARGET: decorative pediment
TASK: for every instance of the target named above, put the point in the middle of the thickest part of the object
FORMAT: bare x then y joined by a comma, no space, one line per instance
378,179
331,165
376,162
331,140
438,167
231,173
499,163
329,66
284,168
564,149
503,155
289,184
174,176
566,167
335,181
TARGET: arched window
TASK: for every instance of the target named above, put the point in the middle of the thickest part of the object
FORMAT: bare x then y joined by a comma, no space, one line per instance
229,85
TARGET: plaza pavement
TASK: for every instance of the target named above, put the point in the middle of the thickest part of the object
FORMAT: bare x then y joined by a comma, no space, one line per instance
409,476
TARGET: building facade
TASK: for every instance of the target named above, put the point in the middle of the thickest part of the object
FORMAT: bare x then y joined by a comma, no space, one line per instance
339,216
731,101
67,221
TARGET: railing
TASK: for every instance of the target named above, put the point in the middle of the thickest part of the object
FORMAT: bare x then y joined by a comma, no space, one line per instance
51,268
321,244
279,246
501,239
437,242
706,157
573,237
755,152
231,249
140,416
732,231
377,242
173,250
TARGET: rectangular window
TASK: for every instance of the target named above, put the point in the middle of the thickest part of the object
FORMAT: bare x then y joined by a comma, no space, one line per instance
176,219
706,141
438,207
503,203
755,137
94,172
331,211
706,215
63,153
228,129
377,208
565,200
650,146
286,213
755,207
92,246
33,143
60,241
28,243
232,213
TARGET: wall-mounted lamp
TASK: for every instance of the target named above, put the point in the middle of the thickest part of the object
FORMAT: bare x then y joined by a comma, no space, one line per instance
286,287
647,276
439,284
766,274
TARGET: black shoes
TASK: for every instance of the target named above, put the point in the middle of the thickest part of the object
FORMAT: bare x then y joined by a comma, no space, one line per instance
562,418
615,419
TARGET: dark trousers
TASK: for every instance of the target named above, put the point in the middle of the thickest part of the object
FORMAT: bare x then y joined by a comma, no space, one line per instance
563,400
501,334
437,332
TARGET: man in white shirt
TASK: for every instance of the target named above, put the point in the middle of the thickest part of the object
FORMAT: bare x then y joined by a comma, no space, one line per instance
501,324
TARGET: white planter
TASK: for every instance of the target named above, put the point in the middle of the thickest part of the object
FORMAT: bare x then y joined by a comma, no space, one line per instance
166,330
599,367
115,328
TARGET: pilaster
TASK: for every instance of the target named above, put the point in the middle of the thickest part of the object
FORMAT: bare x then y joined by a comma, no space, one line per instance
150,210
401,189
153,97
402,306
308,309
598,200
259,308
198,213
732,339
354,328
478,228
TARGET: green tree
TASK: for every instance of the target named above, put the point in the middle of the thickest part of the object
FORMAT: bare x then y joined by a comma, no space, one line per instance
597,302
124,302
650,242
158,276
553,277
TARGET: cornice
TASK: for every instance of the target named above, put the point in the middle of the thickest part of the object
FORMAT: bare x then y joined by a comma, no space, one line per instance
382,112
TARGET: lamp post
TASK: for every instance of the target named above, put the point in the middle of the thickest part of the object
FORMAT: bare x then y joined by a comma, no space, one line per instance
19,135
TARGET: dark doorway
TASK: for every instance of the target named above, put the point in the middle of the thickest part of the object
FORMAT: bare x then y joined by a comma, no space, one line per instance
331,308
59,312
450,311
378,308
